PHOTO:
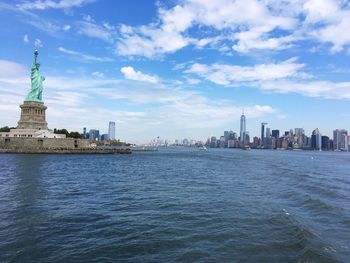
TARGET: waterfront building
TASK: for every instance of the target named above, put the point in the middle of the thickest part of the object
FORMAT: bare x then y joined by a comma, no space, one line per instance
227,136
222,143
231,143
276,133
325,143
111,131
213,142
316,140
340,140
300,136
273,143
94,135
185,142
262,138
268,137
104,137
243,131
291,133
84,132
285,143
299,132
256,142
247,138
268,132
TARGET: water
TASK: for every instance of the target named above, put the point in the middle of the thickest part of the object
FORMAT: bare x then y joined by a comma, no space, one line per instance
178,205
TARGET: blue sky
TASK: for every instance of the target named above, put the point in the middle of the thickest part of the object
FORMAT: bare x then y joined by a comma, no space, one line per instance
179,69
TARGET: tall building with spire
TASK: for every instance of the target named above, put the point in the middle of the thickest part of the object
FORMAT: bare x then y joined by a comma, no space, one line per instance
262,139
243,130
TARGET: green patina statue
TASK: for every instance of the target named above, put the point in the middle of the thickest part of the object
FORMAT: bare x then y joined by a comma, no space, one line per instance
35,93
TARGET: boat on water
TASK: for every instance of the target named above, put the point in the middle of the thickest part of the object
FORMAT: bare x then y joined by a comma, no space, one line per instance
246,148
203,148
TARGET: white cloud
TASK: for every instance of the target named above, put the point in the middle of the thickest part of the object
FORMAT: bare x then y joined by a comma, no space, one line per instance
38,43
322,89
170,34
149,42
322,20
46,4
88,27
25,38
132,74
193,81
66,27
9,69
327,20
97,74
224,74
82,56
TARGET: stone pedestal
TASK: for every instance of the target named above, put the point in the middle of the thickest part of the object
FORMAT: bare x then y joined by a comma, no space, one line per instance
33,116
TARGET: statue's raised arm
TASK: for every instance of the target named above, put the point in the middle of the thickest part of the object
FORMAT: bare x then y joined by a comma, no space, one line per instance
35,93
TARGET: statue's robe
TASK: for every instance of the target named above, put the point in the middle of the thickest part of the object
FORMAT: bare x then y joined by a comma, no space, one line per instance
35,94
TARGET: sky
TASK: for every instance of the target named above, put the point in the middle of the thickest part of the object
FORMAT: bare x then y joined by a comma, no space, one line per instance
179,69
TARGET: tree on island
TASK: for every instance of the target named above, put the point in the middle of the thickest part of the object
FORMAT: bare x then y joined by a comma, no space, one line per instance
112,143
6,129
75,135
118,143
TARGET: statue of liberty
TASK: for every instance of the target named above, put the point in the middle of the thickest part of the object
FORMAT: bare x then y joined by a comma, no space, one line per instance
35,93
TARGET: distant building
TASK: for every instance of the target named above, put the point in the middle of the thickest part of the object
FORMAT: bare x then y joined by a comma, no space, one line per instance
111,131
268,132
325,143
300,136
256,142
340,140
262,138
222,143
227,136
243,130
104,137
316,140
276,133
84,132
94,135
299,132
213,142
247,138
231,143
268,141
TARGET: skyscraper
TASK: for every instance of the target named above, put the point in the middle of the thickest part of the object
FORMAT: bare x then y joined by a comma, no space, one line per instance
276,133
340,140
325,143
316,140
300,136
94,135
262,141
243,131
111,130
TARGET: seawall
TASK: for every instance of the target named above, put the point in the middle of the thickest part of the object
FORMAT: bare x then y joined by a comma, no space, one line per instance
52,145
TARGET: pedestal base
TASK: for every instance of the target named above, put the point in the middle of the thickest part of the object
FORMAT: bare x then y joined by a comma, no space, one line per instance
32,116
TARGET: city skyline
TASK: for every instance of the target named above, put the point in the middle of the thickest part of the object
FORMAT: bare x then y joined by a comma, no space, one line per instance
177,69
295,138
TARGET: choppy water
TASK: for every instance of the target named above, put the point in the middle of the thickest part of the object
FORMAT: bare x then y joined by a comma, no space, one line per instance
176,206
